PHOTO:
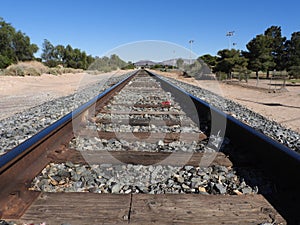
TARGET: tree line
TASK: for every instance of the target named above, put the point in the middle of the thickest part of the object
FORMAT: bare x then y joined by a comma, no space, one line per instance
107,64
15,46
266,52
66,56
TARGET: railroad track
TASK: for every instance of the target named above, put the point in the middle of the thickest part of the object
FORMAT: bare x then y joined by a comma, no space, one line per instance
145,151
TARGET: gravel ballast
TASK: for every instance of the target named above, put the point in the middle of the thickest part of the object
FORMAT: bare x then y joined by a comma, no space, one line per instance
270,128
16,129
132,99
153,179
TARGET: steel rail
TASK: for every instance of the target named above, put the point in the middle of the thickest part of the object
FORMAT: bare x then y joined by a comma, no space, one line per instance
8,159
263,151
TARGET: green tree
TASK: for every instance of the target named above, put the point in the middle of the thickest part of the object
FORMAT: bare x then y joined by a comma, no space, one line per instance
22,47
210,60
69,57
260,54
6,36
107,64
59,54
14,45
77,59
129,66
293,49
116,61
230,60
89,59
277,47
179,63
48,54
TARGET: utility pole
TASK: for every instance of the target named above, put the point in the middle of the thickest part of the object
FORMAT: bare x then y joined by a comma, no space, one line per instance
229,35
191,43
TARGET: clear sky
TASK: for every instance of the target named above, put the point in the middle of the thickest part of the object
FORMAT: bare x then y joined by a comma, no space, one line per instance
97,26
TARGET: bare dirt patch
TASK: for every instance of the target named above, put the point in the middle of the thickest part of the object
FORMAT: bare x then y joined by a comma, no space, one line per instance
20,93
282,107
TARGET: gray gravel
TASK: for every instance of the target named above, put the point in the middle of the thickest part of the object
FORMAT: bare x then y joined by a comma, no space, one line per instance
270,128
128,100
16,129
97,144
116,117
153,179
114,127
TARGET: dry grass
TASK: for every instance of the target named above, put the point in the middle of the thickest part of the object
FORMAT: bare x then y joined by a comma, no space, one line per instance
34,68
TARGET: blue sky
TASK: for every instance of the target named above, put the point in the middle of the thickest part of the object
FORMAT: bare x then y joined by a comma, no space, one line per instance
97,26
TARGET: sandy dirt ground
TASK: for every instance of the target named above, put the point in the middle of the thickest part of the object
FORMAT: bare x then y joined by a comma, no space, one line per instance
20,93
282,107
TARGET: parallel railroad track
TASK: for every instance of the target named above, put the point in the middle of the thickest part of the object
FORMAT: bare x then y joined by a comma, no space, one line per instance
145,151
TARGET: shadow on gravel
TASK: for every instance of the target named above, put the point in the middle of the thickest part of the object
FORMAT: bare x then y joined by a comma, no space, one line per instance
283,195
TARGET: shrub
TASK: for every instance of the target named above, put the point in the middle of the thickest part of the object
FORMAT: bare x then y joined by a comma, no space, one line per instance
55,71
221,75
294,71
32,68
93,72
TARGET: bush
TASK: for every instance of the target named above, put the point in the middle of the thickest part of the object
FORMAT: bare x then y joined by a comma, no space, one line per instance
128,67
294,71
93,72
106,64
4,61
31,68
55,71
221,76
70,70
34,68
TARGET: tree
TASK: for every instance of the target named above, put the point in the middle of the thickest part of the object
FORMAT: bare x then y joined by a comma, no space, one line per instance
107,64
59,54
277,47
67,56
179,63
6,36
48,55
115,60
14,45
230,60
89,59
209,60
293,49
22,47
260,54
